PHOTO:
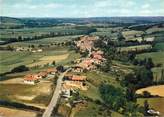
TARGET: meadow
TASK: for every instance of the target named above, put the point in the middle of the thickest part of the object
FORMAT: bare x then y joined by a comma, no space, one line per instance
135,48
155,103
157,57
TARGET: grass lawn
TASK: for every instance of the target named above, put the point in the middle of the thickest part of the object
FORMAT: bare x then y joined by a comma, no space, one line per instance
155,103
92,92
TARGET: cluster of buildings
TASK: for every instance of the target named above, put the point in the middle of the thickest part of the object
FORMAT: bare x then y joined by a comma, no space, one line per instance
73,82
35,78
86,43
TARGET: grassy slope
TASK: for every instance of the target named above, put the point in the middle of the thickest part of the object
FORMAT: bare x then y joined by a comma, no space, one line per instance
156,103
94,81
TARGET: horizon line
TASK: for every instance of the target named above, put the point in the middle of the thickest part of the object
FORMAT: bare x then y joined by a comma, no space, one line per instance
78,17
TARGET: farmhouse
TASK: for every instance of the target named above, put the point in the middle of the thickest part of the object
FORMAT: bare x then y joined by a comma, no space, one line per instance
74,82
31,79
74,85
75,77
51,71
43,74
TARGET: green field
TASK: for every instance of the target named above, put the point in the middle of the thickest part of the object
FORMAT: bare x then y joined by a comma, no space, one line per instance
159,46
135,48
53,40
157,57
45,41
29,32
11,59
155,103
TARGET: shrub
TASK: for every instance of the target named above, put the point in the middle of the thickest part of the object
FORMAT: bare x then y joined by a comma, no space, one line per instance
20,68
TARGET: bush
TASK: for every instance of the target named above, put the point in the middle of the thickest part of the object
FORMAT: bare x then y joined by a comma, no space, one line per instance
20,68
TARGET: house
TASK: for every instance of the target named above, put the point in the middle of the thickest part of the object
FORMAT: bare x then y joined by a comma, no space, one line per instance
74,85
39,50
85,64
51,71
74,82
97,55
66,93
77,78
31,79
43,74
77,69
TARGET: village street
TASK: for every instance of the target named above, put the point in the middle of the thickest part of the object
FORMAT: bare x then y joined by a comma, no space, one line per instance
56,95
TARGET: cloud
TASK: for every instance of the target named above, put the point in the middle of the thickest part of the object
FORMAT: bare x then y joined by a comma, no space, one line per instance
40,6
81,8
145,6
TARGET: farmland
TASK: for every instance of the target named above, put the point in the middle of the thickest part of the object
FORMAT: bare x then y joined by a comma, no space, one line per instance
10,59
131,57
154,90
155,103
8,112
135,48
157,57
25,93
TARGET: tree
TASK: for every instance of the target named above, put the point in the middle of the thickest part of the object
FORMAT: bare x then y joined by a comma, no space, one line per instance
130,93
144,77
106,66
141,78
32,46
113,97
146,94
162,75
149,63
20,68
54,63
146,107
60,68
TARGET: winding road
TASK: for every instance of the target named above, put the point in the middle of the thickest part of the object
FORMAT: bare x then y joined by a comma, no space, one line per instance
56,96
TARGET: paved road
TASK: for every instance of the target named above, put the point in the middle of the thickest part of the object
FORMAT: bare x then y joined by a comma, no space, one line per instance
55,96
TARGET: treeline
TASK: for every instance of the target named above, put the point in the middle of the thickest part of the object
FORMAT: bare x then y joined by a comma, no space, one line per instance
19,106
48,35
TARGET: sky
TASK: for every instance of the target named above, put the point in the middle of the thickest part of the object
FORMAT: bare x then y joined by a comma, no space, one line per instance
81,8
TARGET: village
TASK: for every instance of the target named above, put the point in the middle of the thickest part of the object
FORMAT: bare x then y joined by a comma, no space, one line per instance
72,81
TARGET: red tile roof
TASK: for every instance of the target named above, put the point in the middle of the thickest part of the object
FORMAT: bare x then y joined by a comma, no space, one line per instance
49,70
30,77
79,78
43,73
